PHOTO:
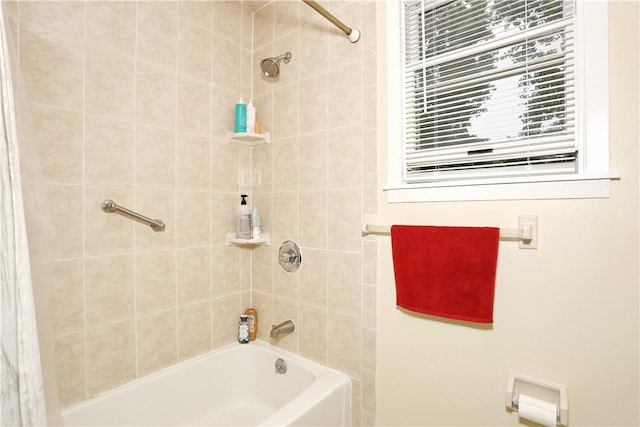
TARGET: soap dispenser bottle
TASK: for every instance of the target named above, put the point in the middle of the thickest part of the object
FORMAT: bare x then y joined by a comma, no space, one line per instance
243,220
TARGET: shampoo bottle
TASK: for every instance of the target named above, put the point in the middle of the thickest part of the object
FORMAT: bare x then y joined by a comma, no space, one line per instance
243,220
252,313
241,117
251,117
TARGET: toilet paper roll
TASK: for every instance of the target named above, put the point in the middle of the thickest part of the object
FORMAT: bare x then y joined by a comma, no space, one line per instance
536,410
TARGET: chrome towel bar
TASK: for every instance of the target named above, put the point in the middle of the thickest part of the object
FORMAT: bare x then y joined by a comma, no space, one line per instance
110,206
526,233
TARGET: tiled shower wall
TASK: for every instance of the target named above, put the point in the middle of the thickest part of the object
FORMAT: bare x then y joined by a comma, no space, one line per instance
132,101
315,181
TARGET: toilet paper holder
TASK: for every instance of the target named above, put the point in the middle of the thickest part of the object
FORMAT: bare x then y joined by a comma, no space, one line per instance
544,390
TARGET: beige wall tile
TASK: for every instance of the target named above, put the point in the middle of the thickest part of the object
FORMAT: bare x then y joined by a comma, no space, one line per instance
356,402
285,216
345,157
312,207
106,233
285,108
156,341
194,329
345,218
225,164
223,216
192,162
370,193
66,213
109,289
52,66
313,278
314,103
369,258
193,267
226,16
262,169
369,303
194,106
370,114
108,151
285,164
64,16
199,12
155,281
111,350
155,95
288,17
109,83
369,349
157,33
70,368
227,60
345,285
285,284
154,157
345,343
262,264
58,134
369,151
194,53
313,163
369,392
67,302
112,24
263,26
225,270
192,221
225,315
313,333
345,95
313,61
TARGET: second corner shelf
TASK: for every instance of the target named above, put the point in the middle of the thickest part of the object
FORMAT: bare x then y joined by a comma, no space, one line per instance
264,240
248,139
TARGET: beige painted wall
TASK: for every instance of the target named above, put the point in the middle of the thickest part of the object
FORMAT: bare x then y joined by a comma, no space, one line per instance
566,312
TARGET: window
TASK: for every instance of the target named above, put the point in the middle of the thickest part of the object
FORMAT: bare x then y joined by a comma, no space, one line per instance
497,99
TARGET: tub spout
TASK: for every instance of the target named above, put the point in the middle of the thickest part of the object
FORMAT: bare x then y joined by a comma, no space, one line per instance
285,327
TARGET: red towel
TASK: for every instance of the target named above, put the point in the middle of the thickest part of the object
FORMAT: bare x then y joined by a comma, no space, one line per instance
446,271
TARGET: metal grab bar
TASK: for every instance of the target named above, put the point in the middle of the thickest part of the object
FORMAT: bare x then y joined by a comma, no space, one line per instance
110,206
352,34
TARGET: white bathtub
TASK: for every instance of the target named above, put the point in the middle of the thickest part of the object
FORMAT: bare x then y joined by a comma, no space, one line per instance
236,385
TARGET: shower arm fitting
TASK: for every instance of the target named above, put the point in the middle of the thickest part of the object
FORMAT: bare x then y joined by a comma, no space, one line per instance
352,35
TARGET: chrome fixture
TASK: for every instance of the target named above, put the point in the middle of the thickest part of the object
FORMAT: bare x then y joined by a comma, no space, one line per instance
110,206
281,366
270,67
285,327
289,256
352,35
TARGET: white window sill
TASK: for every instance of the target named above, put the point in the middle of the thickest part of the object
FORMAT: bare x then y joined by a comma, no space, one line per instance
591,186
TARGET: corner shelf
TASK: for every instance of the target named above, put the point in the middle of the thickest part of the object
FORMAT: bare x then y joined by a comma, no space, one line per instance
248,139
264,240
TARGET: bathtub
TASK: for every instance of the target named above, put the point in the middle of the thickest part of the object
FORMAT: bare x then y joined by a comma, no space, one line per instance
235,385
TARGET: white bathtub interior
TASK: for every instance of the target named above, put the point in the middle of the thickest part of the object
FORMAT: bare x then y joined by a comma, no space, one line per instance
236,385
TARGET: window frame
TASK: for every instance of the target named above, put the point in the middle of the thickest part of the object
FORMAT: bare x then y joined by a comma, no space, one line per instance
594,175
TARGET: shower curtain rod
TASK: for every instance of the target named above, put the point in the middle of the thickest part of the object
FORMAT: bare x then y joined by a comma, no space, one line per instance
352,35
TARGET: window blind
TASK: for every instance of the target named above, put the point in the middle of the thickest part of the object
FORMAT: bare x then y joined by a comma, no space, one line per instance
489,89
